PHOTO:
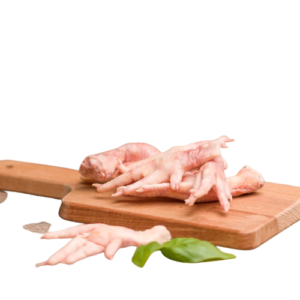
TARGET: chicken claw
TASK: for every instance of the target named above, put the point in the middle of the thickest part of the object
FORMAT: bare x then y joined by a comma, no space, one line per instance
169,166
211,176
246,181
91,239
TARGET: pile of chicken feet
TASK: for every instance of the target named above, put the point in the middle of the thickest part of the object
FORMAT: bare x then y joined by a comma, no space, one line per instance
92,239
193,173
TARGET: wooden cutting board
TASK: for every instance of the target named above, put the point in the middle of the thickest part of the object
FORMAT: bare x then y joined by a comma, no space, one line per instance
252,220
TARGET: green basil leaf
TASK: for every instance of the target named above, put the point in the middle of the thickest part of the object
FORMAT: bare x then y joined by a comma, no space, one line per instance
142,253
190,250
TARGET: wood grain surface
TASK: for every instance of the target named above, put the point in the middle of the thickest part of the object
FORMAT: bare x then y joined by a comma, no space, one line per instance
252,220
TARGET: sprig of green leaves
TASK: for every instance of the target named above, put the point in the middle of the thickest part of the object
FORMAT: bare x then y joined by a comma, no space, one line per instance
187,250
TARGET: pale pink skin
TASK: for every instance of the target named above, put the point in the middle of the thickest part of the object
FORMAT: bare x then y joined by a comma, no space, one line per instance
175,161
103,166
172,165
169,166
246,181
211,176
91,239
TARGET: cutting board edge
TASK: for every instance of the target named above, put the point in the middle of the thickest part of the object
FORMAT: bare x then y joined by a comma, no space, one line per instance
52,191
289,216
64,204
284,184
273,226
242,240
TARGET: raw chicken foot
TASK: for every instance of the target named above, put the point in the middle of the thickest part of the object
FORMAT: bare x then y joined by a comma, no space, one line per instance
211,176
91,239
103,166
246,181
192,146
169,166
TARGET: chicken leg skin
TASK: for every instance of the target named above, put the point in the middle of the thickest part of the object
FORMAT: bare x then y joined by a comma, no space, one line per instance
103,166
246,181
169,166
91,239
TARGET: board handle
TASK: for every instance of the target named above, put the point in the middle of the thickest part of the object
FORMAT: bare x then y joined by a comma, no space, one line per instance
35,179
